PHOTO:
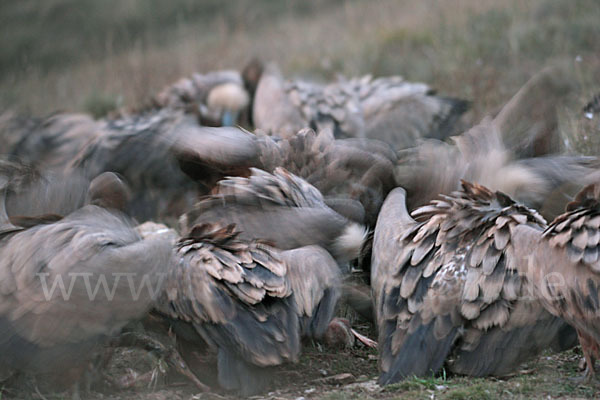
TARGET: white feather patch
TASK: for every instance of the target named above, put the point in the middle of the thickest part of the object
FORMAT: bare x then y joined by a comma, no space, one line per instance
349,244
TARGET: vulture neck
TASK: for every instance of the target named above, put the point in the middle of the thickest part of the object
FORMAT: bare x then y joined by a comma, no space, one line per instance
394,208
5,224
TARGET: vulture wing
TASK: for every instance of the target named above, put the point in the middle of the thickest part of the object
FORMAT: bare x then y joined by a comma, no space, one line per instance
453,287
249,300
389,109
49,143
281,208
529,121
356,169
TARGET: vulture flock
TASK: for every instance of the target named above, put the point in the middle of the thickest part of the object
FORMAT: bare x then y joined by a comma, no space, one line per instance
226,217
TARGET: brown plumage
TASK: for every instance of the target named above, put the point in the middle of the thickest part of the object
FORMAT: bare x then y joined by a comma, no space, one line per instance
152,151
360,170
389,109
351,173
281,208
31,192
247,300
494,152
563,268
66,285
446,286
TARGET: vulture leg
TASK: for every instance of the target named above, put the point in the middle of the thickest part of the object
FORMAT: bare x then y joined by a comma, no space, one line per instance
590,352
167,353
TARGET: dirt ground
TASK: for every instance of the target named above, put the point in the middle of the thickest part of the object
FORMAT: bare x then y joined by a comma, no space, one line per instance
336,374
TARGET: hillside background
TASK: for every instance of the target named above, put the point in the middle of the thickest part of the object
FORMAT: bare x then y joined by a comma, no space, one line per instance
89,55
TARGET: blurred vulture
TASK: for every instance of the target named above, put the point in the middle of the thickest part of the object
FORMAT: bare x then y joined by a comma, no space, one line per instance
491,154
49,143
528,123
389,109
447,287
354,175
67,283
151,152
346,171
281,208
247,300
562,266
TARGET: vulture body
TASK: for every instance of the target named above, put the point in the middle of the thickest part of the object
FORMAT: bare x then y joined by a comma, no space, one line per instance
250,302
545,183
354,170
68,283
389,109
281,208
505,153
446,288
562,266
152,151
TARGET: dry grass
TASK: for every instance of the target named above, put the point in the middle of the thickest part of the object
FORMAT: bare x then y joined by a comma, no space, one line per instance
86,55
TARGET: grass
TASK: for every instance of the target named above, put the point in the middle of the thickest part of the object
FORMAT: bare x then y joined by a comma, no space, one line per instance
57,55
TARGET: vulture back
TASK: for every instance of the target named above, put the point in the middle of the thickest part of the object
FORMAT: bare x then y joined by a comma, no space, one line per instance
281,208
447,284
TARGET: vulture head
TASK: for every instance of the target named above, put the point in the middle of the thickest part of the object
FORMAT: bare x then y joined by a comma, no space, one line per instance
218,98
227,100
108,190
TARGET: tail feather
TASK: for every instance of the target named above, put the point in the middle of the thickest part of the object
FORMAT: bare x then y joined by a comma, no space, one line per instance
421,353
